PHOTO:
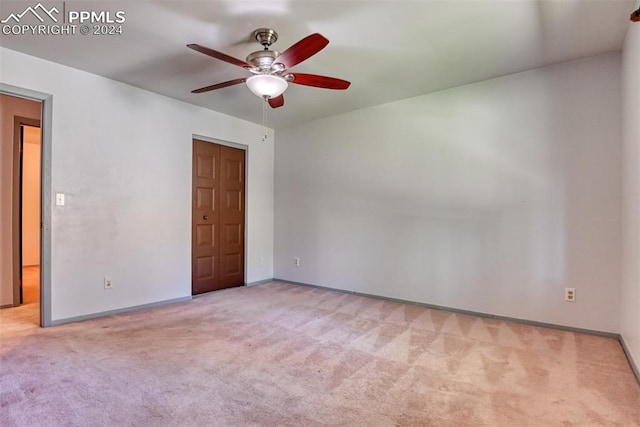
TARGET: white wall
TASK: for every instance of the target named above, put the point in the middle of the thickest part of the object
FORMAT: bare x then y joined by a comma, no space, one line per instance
630,295
122,156
490,197
9,107
31,196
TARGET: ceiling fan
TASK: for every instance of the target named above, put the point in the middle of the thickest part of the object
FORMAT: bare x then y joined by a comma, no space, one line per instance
270,75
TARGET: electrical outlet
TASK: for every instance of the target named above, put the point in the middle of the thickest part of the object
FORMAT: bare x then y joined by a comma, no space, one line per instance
261,260
108,284
296,261
570,294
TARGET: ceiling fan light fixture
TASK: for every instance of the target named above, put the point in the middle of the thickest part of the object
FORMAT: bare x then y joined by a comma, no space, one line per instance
266,85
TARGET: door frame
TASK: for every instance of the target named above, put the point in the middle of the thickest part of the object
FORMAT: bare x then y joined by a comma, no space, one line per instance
244,148
16,202
46,126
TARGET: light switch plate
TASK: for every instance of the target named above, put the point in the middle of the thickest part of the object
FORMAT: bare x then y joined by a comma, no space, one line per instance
59,199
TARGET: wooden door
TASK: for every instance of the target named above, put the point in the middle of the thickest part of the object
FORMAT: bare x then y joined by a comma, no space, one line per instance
205,217
231,217
217,217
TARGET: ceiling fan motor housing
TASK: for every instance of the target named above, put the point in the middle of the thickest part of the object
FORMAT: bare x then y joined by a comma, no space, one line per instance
262,58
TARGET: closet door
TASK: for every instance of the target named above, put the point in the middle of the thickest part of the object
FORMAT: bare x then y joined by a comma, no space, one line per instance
232,188
217,241
205,217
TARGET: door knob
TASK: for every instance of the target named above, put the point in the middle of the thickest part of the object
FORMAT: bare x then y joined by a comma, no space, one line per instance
205,217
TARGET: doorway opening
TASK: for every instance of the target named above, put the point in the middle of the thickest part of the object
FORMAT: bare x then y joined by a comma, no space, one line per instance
21,212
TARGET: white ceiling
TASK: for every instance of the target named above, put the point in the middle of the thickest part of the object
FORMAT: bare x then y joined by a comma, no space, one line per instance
389,50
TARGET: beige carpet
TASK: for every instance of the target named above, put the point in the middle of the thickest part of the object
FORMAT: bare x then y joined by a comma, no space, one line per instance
285,355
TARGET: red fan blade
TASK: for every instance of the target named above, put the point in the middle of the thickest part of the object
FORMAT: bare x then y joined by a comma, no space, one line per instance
302,50
220,85
276,102
319,81
219,55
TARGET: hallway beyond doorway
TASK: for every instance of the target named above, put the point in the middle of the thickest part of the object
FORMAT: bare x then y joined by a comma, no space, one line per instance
27,315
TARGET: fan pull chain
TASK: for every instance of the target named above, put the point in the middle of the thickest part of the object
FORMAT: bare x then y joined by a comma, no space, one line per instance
264,118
